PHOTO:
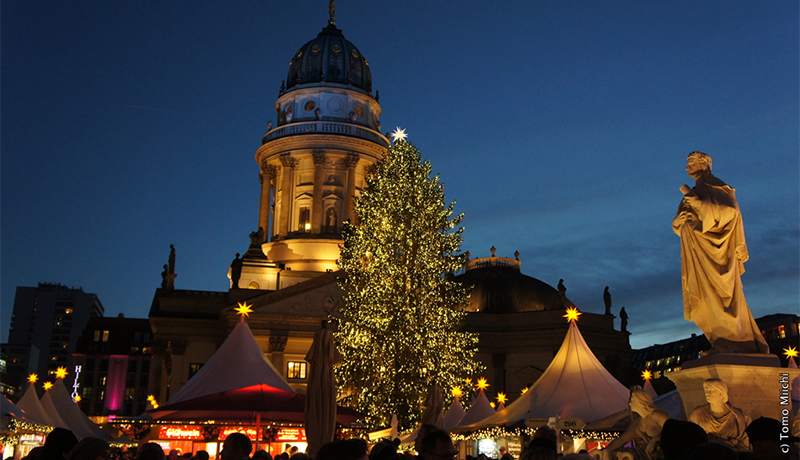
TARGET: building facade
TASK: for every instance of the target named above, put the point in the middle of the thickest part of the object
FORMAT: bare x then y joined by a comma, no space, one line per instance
113,362
45,326
313,165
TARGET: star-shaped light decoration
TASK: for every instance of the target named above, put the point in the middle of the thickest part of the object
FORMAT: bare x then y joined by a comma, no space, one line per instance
456,391
572,314
647,375
48,385
77,399
61,373
790,352
152,400
243,310
399,135
502,398
33,378
482,384
524,390
468,382
492,404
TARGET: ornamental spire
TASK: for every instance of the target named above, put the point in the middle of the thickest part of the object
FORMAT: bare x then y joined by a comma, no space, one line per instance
332,12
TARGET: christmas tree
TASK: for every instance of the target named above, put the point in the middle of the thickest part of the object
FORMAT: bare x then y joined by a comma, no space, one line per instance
398,329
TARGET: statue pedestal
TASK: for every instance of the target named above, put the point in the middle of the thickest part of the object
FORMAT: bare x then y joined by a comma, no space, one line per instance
756,383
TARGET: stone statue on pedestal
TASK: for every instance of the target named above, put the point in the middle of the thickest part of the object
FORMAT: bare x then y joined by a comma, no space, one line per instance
644,430
607,300
168,275
235,271
720,420
713,252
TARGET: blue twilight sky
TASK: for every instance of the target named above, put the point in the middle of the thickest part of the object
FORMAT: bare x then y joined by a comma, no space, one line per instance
561,129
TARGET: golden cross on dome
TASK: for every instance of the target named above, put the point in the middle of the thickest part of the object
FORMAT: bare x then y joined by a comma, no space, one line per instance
572,314
332,12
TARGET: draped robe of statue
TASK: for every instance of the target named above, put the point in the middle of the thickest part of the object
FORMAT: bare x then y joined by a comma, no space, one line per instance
729,428
713,252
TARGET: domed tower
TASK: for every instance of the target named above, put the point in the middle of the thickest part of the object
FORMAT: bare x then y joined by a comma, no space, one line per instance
314,161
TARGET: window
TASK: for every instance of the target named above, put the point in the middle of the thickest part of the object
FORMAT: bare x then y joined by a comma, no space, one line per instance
305,220
297,369
129,394
193,368
87,393
105,336
97,336
781,332
101,395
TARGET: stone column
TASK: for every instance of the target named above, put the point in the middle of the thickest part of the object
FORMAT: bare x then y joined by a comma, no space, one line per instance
350,162
286,193
276,347
316,204
268,174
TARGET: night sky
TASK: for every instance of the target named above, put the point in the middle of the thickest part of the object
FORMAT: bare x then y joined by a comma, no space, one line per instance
560,128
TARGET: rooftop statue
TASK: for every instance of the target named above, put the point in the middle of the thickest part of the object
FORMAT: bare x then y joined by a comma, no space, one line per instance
720,420
644,430
713,252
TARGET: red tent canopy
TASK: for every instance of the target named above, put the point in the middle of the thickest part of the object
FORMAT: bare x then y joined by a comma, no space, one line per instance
243,404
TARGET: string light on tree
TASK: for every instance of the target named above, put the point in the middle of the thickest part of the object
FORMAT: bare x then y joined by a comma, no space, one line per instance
398,330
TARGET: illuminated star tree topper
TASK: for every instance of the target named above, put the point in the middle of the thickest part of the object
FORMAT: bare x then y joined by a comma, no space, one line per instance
399,135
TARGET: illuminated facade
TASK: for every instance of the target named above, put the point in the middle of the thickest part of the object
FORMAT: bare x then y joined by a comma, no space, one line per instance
313,164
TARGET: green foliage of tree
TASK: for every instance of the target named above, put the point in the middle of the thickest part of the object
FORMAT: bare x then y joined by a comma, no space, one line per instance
398,329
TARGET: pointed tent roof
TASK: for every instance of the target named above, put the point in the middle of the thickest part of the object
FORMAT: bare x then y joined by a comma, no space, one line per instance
71,413
33,408
239,363
574,385
480,410
454,415
648,387
795,382
52,412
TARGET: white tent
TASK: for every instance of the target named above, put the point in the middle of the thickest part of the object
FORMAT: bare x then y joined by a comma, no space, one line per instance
239,363
481,409
33,408
52,413
71,413
648,387
454,415
575,385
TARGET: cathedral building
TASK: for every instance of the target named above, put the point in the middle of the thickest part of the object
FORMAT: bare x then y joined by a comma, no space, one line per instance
313,161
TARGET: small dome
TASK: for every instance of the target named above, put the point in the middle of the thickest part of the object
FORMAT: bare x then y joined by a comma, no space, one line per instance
329,58
500,287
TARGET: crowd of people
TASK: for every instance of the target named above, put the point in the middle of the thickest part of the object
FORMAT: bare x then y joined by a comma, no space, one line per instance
678,440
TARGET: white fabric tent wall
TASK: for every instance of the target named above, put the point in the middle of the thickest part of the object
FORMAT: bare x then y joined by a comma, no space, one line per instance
33,408
574,385
238,363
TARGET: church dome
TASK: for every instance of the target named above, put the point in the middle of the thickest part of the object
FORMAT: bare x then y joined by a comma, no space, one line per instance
499,287
329,60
